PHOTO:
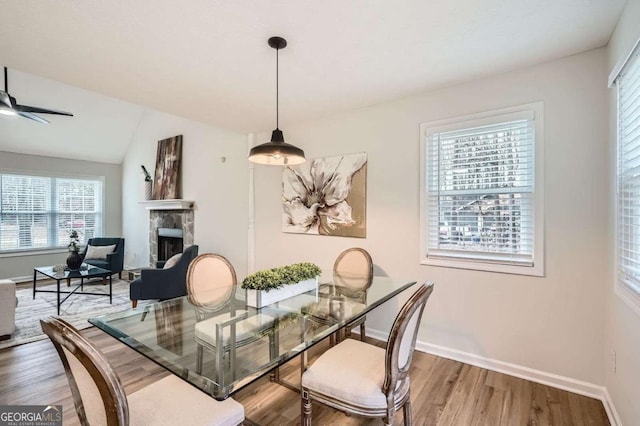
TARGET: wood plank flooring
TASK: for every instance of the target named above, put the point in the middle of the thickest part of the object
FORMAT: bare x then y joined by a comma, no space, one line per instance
443,392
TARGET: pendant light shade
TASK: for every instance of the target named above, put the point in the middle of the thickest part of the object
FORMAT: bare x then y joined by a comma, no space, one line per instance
277,152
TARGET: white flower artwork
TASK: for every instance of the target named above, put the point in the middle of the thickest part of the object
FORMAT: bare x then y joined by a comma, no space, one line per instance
326,196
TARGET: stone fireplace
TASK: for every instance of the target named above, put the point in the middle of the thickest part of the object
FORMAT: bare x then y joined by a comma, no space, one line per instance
170,231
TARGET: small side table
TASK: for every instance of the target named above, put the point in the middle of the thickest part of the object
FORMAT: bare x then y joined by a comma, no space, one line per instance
133,274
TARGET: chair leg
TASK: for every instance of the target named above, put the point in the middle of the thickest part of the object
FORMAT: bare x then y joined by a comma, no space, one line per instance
273,348
406,409
199,356
363,332
120,275
134,304
387,421
305,418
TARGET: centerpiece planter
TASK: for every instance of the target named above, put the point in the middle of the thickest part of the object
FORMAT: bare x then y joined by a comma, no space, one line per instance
74,261
273,285
260,298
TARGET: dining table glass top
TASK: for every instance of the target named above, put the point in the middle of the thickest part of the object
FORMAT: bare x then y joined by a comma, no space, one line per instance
185,336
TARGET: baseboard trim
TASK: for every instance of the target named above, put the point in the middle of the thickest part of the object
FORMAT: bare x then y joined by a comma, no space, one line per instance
27,279
610,408
554,380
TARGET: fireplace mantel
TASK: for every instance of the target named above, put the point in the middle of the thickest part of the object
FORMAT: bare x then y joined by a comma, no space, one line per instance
177,204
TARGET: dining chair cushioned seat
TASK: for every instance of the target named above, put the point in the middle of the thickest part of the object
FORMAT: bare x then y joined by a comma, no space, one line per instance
359,378
206,330
335,309
174,395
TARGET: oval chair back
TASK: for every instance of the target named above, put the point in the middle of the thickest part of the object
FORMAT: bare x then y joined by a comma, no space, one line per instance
353,271
402,341
211,282
98,395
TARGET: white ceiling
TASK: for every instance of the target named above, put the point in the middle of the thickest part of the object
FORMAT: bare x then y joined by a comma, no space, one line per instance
209,60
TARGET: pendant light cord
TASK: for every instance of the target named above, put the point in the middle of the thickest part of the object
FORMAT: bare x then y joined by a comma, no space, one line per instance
277,90
6,83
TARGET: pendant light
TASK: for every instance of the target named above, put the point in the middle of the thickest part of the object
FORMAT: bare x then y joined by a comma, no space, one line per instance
277,152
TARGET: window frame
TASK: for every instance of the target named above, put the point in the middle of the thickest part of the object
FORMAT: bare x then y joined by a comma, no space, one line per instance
473,120
55,175
628,293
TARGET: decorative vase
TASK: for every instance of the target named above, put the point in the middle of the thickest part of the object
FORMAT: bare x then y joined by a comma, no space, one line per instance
74,261
147,189
260,298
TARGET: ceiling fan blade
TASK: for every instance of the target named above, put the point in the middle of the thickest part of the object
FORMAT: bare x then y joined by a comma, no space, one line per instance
27,108
5,99
32,117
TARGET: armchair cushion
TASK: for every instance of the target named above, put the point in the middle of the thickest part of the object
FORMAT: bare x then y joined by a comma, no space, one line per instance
99,252
172,261
104,264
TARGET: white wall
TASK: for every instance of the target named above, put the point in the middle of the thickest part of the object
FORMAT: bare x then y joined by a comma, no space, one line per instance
623,324
555,323
218,188
22,266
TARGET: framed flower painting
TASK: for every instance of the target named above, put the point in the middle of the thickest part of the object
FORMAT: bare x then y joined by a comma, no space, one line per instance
326,196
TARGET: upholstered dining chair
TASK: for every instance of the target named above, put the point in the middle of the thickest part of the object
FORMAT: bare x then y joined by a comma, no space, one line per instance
211,285
366,380
99,397
353,275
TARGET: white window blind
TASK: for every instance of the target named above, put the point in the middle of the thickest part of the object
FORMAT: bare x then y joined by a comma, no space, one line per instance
628,235
480,190
37,212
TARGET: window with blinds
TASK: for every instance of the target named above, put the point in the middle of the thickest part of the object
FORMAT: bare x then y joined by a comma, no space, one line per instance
37,212
479,198
628,194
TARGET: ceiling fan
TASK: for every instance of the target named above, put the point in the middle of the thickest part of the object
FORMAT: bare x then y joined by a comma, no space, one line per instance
9,106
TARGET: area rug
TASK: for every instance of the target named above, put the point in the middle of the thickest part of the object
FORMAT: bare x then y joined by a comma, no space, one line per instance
77,309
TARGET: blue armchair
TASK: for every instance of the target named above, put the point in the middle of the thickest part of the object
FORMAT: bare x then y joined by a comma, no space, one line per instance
163,283
114,261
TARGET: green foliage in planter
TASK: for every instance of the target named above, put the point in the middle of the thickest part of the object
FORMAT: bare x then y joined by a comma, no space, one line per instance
270,279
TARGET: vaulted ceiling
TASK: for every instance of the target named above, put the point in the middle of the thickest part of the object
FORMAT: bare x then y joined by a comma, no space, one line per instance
209,60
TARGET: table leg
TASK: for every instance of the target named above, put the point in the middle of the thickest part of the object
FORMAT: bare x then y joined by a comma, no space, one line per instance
34,283
110,290
68,282
58,284
275,375
81,284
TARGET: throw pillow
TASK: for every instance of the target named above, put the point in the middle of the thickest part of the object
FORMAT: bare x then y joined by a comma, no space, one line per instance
99,252
173,260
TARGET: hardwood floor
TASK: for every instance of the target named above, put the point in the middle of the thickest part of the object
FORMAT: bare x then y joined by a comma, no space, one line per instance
443,392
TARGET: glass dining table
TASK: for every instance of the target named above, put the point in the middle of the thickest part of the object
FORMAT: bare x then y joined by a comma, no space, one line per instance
222,348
